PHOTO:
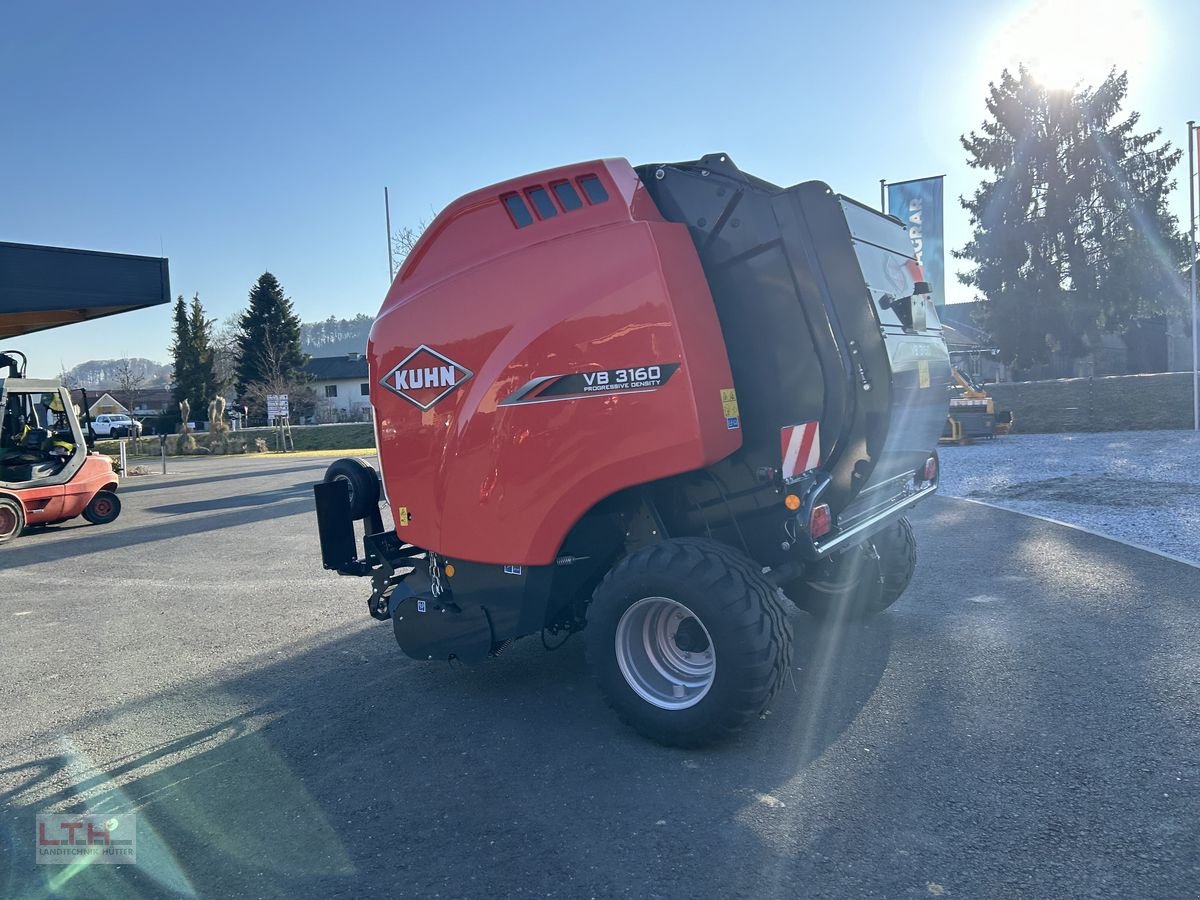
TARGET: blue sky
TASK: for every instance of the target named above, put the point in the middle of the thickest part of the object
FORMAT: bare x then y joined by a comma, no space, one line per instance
241,137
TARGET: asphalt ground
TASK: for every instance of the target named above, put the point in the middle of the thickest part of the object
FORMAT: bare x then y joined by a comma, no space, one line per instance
1023,723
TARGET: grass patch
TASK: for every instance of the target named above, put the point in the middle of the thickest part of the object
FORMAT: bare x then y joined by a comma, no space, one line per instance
331,439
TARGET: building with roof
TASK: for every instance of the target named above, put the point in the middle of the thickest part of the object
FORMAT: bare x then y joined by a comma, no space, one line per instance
343,387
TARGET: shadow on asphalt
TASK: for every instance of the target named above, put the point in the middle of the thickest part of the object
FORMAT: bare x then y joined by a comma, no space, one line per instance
29,549
1017,746
137,483
365,751
237,501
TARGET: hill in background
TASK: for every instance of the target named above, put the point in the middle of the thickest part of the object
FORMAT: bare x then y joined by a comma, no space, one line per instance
336,337
106,373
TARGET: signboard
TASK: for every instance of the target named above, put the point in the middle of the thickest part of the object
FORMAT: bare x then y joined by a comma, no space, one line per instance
918,204
277,406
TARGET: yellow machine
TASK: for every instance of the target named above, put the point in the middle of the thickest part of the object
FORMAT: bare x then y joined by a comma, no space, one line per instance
973,413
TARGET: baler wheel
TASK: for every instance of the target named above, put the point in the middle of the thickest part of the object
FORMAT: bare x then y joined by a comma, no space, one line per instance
362,482
863,581
687,641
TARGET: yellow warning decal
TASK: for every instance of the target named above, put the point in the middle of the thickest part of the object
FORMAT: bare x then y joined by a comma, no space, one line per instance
923,372
729,403
402,515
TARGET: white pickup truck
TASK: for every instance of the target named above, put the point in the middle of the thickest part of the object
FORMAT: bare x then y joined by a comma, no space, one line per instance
116,426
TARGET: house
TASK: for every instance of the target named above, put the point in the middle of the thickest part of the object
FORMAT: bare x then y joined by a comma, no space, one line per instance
153,401
343,387
1155,344
107,405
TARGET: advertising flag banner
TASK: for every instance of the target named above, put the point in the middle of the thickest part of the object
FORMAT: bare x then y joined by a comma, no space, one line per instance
918,204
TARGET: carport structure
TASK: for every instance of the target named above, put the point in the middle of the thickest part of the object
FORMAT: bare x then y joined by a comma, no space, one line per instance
45,287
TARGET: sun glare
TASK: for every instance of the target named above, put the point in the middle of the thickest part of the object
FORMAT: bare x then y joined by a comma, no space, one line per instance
1064,43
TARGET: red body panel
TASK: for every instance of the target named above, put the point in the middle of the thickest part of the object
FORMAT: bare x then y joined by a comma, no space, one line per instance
57,503
606,286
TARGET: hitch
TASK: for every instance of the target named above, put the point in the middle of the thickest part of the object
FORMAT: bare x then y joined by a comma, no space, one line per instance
384,554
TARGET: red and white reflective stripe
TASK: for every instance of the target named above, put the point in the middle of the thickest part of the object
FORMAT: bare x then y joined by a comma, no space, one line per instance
801,445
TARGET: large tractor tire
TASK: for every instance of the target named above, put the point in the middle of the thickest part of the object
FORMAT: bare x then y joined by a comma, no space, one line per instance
103,508
687,641
12,519
362,482
863,581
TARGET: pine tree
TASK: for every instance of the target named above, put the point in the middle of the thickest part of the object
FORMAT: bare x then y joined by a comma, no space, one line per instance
201,332
181,352
269,340
194,378
1071,237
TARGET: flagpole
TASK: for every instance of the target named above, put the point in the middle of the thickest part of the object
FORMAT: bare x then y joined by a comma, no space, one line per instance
387,216
1192,229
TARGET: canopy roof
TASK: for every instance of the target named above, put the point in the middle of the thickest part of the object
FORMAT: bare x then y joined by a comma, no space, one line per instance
45,287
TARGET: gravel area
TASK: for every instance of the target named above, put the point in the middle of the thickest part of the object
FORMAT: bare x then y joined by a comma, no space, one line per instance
1137,486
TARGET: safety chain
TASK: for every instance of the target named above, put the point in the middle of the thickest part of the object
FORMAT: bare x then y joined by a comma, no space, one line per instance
435,575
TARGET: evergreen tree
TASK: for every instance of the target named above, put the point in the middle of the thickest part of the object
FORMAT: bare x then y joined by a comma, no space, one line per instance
191,350
181,352
1071,237
201,329
269,340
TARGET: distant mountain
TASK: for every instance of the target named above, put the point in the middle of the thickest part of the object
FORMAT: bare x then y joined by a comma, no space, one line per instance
105,374
336,337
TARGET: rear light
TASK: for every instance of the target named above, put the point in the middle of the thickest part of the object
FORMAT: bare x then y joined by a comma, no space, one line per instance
820,522
931,469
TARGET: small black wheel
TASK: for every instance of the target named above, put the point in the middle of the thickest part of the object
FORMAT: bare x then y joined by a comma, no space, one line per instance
362,482
687,641
863,581
104,508
12,519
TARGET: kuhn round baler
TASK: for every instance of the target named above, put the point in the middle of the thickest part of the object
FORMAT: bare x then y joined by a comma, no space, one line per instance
637,403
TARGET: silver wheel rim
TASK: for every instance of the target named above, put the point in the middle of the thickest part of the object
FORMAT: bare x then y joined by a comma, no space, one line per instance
649,652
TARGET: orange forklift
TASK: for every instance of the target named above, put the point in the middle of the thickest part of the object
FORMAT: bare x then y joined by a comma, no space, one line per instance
49,472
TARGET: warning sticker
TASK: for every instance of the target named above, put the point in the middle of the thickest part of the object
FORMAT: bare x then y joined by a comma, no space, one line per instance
402,515
923,372
729,403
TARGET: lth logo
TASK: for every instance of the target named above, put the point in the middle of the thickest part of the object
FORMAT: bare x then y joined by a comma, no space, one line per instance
64,839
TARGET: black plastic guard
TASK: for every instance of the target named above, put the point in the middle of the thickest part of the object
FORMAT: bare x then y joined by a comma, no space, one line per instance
804,343
437,628
339,550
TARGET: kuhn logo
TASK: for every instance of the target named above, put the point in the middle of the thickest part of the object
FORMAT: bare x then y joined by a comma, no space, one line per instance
425,377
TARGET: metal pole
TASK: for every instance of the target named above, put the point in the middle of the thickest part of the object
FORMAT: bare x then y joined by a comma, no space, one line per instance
387,214
124,459
1192,229
883,195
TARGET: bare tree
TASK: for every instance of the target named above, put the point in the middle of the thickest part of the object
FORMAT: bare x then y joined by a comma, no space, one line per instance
405,239
225,350
301,397
131,376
